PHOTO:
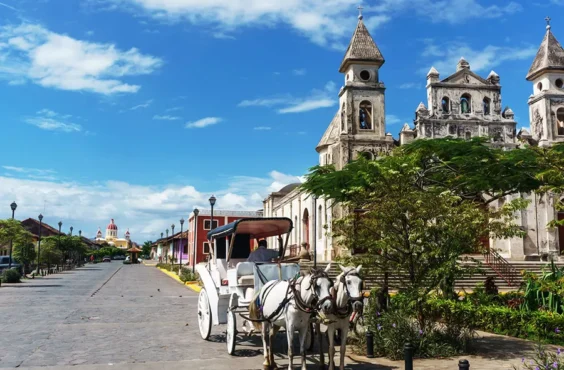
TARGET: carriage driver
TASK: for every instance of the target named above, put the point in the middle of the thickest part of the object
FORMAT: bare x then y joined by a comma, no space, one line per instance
262,254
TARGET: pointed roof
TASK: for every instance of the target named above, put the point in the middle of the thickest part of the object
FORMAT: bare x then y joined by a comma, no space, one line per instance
362,48
550,56
331,134
433,72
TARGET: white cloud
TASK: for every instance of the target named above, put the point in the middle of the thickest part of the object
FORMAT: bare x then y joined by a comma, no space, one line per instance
204,122
145,210
142,105
47,119
31,52
392,119
299,72
481,60
166,118
263,128
327,23
8,6
32,173
174,109
317,99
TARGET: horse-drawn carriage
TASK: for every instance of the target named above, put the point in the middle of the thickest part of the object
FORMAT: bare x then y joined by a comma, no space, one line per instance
266,295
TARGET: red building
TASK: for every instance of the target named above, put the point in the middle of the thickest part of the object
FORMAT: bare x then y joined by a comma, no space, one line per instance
199,226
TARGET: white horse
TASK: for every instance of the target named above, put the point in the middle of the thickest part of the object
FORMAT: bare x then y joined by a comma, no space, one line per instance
290,304
348,299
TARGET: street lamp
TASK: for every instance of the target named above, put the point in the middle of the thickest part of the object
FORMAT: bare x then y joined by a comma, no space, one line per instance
59,243
79,232
315,231
161,244
212,203
196,212
13,206
180,251
39,241
172,260
71,230
166,255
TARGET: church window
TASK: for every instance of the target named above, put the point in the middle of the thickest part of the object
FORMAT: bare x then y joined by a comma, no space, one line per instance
468,135
539,86
365,115
445,105
365,75
465,104
559,83
560,121
343,126
486,106
320,222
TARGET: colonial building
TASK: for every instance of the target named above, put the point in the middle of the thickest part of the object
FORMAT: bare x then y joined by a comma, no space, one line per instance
112,237
357,128
462,105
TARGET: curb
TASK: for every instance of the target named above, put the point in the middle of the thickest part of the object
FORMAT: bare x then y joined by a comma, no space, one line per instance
190,284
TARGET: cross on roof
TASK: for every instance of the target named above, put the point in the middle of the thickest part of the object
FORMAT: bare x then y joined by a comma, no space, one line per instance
547,19
360,11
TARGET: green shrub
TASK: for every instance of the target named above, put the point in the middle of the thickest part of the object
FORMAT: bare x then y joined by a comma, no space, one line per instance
543,359
537,325
165,266
545,292
187,275
11,276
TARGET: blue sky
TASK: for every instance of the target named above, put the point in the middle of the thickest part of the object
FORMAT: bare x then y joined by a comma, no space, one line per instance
141,109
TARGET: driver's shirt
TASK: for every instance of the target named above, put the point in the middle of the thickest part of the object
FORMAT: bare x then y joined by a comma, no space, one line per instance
262,255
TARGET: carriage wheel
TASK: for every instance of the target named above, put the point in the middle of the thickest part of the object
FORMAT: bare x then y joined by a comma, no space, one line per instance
204,315
231,331
310,338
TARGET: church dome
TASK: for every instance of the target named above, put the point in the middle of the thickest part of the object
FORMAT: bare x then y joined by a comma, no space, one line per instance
112,225
288,188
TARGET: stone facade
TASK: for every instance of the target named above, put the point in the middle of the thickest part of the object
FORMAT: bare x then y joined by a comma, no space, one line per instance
463,105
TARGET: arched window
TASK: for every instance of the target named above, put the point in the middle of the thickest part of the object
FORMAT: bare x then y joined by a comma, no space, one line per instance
319,222
468,135
445,105
560,121
365,115
296,241
343,126
486,106
366,155
465,104
305,221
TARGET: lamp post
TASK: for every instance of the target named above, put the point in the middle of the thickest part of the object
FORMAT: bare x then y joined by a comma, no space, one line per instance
172,246
71,230
161,243
315,231
59,244
13,206
79,232
212,203
196,212
180,246
166,255
39,241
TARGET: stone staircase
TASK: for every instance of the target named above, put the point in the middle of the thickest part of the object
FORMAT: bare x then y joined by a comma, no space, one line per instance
468,283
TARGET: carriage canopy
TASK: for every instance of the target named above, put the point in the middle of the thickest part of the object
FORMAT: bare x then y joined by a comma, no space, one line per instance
255,227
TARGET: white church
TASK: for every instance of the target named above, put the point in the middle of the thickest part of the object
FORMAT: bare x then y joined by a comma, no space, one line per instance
462,105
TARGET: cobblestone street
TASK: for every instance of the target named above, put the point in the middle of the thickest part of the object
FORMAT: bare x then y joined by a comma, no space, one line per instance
110,314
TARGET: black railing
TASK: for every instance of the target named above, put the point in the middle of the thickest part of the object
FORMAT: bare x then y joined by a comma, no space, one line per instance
504,269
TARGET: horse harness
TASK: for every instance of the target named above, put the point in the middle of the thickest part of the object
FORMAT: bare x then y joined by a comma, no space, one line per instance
346,311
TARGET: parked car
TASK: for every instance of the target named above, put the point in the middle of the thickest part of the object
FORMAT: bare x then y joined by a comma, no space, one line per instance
119,258
107,259
5,262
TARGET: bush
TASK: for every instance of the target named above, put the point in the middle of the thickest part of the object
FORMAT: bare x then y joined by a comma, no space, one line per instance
187,275
536,325
165,266
11,276
544,359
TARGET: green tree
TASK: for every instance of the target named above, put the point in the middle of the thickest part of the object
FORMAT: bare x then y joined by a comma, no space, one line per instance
50,253
24,252
422,210
147,248
12,230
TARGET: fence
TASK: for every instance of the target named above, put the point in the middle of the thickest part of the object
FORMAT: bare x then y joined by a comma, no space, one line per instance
408,351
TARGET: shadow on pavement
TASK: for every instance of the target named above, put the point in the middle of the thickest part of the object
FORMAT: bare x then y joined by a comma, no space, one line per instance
35,286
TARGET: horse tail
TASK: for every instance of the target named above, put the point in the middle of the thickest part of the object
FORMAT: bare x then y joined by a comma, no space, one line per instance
254,312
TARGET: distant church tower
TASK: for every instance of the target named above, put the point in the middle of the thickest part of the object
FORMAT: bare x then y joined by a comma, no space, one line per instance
546,104
111,230
359,126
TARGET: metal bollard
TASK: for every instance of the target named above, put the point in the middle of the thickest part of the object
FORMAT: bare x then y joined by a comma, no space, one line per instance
369,344
463,365
408,354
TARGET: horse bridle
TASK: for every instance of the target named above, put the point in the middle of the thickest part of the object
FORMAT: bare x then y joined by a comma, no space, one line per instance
316,302
351,300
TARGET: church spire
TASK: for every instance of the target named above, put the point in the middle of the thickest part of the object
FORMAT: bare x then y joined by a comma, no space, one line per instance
362,47
550,55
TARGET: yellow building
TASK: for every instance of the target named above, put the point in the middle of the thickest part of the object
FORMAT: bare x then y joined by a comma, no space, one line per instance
112,236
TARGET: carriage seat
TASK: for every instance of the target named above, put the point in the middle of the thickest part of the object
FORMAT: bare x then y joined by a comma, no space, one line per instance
246,273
